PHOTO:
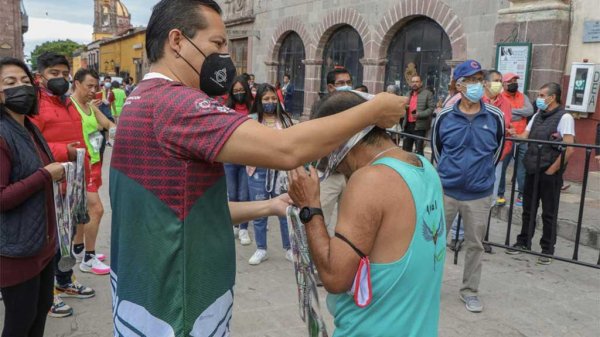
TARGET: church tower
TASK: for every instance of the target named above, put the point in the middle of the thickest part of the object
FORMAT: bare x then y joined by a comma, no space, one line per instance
111,18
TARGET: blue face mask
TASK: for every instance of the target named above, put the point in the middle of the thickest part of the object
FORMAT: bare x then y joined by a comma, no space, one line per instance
269,107
474,92
343,88
541,103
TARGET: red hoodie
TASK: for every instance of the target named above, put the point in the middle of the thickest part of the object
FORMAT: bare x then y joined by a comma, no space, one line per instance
241,108
59,126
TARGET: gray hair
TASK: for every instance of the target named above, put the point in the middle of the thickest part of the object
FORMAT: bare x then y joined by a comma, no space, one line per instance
391,88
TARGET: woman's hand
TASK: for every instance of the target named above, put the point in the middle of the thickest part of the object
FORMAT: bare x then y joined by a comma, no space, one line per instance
56,170
304,188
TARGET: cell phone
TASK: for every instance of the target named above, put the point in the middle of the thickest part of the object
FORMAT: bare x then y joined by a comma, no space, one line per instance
98,95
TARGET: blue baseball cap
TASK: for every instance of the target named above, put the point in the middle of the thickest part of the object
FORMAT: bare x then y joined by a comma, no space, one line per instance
466,69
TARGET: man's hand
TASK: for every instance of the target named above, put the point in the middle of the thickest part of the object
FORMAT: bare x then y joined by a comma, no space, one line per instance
304,188
56,170
391,108
72,151
96,102
280,204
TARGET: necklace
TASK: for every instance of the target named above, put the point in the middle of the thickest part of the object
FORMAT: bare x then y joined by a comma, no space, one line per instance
383,152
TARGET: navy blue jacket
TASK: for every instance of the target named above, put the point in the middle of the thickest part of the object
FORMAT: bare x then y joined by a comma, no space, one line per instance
467,152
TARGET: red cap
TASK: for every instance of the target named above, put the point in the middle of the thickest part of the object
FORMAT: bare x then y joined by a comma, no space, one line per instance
509,76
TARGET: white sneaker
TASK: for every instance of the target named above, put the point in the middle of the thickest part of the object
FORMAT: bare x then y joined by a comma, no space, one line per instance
259,256
236,231
289,255
94,266
79,257
244,237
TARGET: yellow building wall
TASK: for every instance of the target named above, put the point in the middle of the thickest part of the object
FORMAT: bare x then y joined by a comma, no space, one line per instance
122,52
76,64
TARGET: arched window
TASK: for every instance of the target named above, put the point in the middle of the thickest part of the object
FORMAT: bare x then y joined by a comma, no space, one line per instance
420,47
291,55
344,48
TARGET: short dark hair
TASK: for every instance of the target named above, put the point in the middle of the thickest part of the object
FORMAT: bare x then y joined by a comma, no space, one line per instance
489,73
339,101
11,61
337,71
107,78
553,90
115,85
83,72
51,59
287,75
174,14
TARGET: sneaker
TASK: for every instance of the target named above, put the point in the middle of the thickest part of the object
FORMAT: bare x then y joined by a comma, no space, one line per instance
289,255
59,308
236,232
487,248
74,289
472,303
500,201
244,237
519,201
543,260
513,251
79,257
94,266
259,256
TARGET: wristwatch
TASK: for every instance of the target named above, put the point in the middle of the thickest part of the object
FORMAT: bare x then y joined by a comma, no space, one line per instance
307,213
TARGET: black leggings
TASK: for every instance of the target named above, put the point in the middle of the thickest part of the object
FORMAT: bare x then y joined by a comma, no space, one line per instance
26,305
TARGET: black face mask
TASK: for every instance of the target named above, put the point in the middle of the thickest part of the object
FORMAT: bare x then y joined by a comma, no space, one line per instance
239,97
512,88
217,73
58,86
20,99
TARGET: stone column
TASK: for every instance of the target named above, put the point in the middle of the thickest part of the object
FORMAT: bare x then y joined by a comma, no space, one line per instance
544,23
312,84
272,71
374,74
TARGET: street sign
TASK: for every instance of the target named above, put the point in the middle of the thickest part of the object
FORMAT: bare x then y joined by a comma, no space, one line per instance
591,31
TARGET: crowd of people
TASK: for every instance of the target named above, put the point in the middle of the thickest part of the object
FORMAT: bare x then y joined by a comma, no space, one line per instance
199,151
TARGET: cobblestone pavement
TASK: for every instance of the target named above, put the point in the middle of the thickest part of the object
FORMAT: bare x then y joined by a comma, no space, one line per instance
520,297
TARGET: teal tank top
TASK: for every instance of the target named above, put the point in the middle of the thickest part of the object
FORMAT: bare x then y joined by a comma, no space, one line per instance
406,293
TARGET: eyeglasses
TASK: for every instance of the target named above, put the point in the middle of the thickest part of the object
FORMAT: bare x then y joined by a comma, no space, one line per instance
341,83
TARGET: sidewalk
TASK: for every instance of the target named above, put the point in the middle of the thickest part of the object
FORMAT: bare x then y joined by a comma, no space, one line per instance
568,211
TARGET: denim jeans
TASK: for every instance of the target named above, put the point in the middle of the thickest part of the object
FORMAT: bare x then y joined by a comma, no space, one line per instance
237,185
256,186
519,155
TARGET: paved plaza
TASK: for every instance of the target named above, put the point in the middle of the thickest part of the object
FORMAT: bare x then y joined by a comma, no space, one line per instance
520,297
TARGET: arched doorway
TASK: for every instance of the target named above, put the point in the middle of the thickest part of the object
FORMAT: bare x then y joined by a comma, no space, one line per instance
291,55
344,48
420,47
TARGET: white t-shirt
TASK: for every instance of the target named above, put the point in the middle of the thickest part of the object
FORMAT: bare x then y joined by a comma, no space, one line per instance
566,126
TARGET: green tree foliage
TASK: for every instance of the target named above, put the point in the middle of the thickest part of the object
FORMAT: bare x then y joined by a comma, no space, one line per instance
64,47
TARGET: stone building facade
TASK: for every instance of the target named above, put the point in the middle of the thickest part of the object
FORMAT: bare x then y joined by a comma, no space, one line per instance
382,42
13,24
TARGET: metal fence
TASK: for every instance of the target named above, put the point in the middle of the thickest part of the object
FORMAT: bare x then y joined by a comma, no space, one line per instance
562,147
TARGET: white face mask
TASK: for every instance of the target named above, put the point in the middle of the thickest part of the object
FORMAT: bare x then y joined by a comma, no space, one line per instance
343,88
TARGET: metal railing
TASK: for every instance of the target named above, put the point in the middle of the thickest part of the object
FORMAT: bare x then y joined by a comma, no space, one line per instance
562,147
